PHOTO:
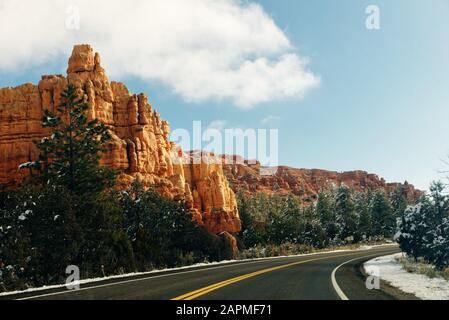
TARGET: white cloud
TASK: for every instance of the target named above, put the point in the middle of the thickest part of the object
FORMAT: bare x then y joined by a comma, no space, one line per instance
201,49
269,119
217,125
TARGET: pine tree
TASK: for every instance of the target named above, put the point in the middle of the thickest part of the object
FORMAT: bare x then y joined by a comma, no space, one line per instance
346,217
326,216
434,219
440,201
248,235
383,221
162,232
399,201
74,221
70,156
423,231
440,246
412,229
364,228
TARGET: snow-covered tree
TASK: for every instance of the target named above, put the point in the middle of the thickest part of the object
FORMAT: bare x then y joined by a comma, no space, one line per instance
412,229
440,247
423,230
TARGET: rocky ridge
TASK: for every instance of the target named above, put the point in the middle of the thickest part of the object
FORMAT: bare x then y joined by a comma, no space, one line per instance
305,183
140,147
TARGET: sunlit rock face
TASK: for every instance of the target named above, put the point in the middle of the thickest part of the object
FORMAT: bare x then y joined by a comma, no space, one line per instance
244,175
140,146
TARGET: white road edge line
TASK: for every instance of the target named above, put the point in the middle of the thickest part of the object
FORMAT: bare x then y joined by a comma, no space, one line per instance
132,280
178,273
337,288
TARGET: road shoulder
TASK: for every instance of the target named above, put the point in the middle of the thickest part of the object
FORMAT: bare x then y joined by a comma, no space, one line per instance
385,287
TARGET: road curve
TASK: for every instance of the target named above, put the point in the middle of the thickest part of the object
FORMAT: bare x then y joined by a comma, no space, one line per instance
307,277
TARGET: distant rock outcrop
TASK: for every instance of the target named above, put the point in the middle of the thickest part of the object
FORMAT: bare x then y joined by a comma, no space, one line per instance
305,183
140,148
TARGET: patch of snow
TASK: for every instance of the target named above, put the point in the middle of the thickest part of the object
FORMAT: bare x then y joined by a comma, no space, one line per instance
420,285
24,215
369,247
204,264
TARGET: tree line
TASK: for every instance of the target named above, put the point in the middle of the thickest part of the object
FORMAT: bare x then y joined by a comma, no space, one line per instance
340,216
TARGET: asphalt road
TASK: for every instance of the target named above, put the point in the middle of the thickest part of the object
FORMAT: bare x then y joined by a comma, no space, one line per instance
307,277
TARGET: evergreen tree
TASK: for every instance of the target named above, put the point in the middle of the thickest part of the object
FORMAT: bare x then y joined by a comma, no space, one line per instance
326,216
312,234
346,216
441,202
440,247
434,219
247,233
67,218
399,201
423,230
70,156
364,228
162,232
412,228
383,221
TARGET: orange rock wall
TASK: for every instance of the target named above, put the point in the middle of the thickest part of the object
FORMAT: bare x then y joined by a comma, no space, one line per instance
307,183
140,147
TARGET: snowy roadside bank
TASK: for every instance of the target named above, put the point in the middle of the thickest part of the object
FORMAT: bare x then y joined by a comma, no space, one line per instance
185,268
423,287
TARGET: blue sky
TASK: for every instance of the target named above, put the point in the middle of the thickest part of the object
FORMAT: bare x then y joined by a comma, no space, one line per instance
382,104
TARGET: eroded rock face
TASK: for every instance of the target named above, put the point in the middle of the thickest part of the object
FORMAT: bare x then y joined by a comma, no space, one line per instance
306,183
140,147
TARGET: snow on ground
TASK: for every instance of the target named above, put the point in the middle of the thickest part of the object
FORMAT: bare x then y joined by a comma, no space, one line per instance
208,264
420,285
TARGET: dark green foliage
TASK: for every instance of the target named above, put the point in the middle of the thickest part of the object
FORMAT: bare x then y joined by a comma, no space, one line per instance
326,214
399,201
412,228
52,228
67,214
364,226
313,235
338,217
346,216
252,232
423,230
70,156
383,221
161,231
440,247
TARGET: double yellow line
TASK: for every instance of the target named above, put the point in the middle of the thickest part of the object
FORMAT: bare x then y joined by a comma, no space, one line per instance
201,292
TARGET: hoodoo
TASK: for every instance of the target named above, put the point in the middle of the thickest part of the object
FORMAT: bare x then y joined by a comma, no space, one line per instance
140,148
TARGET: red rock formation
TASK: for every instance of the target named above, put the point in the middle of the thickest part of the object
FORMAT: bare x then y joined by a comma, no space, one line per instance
306,183
140,148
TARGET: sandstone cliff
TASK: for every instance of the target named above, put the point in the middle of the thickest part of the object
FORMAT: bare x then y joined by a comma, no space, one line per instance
140,147
306,183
